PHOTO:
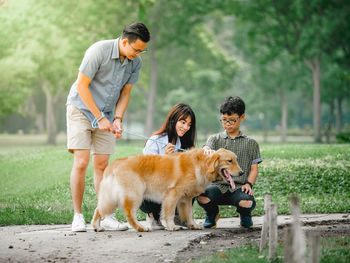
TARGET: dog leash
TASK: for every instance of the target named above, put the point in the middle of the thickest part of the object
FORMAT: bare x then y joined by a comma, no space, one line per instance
94,125
146,138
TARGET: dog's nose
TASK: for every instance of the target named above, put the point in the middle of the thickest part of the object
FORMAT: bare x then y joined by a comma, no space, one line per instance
240,173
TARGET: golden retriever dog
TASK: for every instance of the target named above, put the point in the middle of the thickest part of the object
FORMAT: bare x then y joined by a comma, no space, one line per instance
171,179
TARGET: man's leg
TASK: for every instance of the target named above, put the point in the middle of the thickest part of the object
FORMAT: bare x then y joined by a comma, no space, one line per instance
77,177
100,162
77,184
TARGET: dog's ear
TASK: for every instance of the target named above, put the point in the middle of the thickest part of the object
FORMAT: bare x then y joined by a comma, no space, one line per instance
213,161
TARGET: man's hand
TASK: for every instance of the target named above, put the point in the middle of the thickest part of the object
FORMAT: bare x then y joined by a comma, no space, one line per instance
247,189
105,124
117,125
170,148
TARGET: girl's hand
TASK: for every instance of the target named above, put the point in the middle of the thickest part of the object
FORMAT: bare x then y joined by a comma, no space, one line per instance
170,148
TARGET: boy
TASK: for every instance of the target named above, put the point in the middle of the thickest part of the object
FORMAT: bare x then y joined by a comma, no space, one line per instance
248,156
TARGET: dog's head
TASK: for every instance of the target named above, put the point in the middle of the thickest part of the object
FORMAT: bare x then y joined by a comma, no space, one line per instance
223,165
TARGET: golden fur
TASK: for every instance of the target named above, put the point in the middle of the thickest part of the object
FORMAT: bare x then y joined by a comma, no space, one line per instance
171,179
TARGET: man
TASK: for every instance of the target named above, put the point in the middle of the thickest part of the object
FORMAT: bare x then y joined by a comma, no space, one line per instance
96,104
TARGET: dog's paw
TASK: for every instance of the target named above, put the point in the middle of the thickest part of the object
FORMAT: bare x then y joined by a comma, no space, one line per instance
173,228
196,227
143,229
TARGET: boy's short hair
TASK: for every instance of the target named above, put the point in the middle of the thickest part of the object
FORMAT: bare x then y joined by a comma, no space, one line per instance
134,31
232,105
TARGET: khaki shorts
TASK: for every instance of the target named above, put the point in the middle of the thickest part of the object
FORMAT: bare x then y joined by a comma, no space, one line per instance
81,135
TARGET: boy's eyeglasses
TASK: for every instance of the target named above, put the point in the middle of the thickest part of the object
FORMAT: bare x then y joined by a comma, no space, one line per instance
137,51
228,122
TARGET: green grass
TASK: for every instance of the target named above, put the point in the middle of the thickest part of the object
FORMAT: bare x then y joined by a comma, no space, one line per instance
34,185
333,250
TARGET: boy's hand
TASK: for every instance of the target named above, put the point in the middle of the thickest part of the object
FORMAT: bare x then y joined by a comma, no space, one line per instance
170,148
208,150
247,189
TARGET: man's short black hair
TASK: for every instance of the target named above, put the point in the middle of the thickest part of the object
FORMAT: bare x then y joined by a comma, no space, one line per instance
134,31
232,105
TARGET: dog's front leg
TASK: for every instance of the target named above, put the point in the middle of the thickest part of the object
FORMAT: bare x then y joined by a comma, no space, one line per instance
168,209
186,213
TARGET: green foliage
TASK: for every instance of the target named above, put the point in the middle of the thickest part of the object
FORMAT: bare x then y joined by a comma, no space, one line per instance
343,137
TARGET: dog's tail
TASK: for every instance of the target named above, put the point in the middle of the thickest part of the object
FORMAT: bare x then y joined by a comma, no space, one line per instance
96,221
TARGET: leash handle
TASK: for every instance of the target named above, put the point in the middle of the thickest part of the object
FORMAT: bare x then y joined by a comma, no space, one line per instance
146,138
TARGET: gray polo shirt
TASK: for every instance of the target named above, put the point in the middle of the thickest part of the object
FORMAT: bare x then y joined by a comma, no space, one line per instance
109,74
246,149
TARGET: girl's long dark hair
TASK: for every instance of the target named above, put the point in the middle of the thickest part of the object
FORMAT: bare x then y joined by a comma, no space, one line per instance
179,112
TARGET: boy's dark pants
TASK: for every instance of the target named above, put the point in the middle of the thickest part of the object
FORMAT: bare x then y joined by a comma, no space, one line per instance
217,198
154,208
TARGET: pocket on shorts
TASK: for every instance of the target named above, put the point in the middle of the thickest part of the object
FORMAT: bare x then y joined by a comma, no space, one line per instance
74,113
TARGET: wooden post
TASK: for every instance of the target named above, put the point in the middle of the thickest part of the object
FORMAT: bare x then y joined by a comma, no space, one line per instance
265,226
287,245
315,248
273,232
299,244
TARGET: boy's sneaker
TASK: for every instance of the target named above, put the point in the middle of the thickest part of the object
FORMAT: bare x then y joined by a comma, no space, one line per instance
246,221
111,223
78,224
210,220
154,224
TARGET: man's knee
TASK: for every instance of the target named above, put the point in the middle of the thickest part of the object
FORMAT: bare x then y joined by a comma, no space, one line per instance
203,200
245,203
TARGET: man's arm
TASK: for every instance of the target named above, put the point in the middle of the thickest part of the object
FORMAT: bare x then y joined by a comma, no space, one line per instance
86,96
120,109
253,175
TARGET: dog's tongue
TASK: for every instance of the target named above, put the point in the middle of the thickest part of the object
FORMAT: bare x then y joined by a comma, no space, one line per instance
229,178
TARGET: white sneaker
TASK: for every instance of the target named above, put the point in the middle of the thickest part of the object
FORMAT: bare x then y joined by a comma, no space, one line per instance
111,223
154,224
78,224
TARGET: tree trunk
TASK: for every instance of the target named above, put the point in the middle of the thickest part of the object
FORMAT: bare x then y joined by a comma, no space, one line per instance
330,120
339,115
315,66
50,116
153,85
265,125
284,117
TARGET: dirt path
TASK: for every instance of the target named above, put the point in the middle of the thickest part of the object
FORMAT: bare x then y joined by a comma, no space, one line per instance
57,243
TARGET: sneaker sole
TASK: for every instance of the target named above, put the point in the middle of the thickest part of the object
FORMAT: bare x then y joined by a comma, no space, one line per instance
79,230
249,227
115,229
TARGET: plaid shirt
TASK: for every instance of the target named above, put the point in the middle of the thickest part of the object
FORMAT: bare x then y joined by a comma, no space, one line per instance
246,149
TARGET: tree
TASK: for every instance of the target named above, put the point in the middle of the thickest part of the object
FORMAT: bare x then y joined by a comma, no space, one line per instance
302,28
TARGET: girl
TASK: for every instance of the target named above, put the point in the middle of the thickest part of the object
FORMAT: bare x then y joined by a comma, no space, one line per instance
178,130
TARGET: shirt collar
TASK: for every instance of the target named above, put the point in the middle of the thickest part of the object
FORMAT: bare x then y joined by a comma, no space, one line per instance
115,52
225,135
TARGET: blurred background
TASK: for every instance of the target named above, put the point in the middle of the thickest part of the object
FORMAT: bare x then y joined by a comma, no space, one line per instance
289,60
